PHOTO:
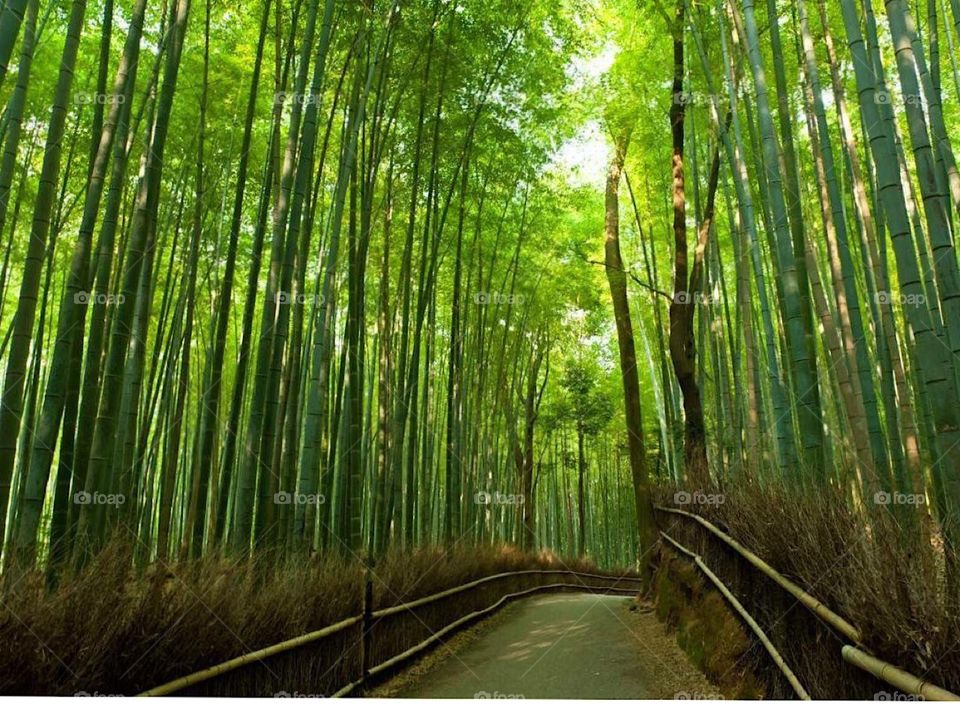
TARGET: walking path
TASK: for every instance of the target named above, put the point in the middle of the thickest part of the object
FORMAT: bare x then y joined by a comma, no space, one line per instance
579,646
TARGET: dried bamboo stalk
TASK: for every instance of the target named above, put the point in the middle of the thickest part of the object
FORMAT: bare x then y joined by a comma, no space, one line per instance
899,678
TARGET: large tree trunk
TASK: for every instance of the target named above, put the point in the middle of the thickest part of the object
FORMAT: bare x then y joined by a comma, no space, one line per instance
617,279
685,293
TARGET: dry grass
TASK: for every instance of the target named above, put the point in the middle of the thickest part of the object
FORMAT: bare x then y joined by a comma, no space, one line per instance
865,566
110,630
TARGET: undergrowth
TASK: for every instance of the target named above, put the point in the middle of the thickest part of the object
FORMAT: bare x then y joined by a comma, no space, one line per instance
109,629
867,564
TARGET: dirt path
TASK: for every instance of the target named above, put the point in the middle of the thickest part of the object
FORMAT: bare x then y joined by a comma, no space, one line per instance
578,646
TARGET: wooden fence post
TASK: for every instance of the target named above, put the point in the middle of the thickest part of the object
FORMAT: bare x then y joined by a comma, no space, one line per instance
366,624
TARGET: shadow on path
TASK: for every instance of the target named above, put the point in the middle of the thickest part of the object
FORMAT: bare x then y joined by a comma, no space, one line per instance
578,646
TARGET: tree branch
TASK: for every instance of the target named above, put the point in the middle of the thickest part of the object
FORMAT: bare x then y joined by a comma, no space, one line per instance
638,281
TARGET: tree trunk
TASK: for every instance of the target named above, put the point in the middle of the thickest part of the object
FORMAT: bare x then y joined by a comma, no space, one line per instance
617,279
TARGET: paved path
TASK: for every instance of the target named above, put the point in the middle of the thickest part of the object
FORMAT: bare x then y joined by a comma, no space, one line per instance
561,646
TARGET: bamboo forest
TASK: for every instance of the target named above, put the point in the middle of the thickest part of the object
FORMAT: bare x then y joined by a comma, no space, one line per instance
327,324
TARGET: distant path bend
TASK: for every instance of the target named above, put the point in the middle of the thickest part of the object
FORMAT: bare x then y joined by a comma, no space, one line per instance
578,646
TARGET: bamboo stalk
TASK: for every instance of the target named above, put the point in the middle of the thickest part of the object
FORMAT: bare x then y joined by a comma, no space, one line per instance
757,630
897,677
815,606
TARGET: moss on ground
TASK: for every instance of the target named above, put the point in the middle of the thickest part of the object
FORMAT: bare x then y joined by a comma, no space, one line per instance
707,629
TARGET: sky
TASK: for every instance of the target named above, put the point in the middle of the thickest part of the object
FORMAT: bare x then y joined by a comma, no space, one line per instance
584,157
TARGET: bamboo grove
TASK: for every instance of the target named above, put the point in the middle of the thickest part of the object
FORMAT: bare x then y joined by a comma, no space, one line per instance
312,275
811,164
281,276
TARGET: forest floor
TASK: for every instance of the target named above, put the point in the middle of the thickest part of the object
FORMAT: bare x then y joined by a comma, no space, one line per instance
561,646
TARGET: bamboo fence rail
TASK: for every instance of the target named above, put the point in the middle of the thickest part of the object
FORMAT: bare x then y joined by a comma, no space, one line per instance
366,618
859,657
747,618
